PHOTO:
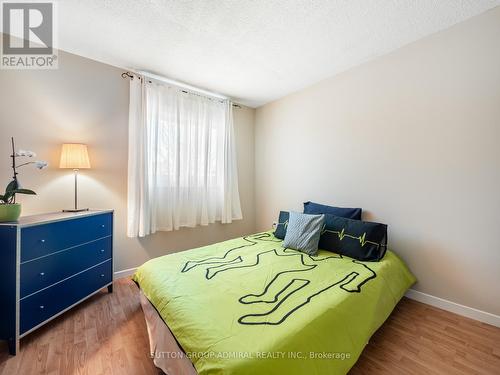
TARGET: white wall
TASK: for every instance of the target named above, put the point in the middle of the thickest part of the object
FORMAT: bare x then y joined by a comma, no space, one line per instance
413,139
87,101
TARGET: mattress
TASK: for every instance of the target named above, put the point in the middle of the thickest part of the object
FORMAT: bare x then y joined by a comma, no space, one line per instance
248,305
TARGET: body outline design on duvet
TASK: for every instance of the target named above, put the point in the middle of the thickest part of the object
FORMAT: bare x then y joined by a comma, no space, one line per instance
285,284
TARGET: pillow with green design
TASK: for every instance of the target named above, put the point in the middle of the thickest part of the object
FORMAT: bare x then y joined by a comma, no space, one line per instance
361,240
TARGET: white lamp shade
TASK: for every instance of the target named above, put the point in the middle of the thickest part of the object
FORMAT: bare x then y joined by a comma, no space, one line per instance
74,156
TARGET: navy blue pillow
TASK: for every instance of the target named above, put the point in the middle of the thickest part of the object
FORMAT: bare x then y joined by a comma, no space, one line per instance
281,225
361,240
317,209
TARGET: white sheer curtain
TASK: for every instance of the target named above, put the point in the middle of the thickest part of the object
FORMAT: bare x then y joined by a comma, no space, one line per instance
182,161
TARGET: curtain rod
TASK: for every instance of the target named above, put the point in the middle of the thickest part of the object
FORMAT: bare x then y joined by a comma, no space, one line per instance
193,89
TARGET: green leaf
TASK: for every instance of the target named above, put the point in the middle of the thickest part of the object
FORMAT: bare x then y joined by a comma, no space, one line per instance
11,186
23,191
7,196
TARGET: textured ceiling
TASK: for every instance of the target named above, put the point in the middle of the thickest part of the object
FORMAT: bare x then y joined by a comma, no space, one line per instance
253,51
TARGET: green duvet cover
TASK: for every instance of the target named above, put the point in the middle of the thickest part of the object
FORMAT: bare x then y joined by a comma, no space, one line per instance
250,306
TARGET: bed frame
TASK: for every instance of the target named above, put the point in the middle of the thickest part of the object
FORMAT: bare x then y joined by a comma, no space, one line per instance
164,349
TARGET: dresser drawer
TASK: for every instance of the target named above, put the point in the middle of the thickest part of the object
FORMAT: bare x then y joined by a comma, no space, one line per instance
43,272
41,306
40,240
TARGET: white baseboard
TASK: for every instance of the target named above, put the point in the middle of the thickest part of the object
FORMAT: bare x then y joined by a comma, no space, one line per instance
453,307
125,273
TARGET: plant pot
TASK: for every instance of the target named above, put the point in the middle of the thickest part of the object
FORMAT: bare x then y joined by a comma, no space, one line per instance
10,212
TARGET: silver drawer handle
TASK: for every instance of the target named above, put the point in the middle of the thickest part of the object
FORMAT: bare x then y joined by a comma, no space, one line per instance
102,275
42,273
102,225
42,241
102,250
42,306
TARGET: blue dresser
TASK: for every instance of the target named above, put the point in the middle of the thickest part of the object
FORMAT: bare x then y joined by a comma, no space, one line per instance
50,263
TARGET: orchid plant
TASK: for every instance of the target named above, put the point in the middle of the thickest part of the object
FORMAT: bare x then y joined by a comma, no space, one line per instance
13,188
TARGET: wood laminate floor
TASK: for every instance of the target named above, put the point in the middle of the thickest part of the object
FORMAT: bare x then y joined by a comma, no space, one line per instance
107,335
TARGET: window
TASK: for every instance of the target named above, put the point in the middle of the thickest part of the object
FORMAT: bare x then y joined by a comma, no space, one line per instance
182,161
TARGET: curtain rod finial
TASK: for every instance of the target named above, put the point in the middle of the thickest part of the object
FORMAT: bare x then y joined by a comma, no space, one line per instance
127,74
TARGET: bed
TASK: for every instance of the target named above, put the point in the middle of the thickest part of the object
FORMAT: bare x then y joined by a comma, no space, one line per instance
249,306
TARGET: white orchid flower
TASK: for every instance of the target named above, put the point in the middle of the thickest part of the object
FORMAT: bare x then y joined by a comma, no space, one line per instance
41,164
29,154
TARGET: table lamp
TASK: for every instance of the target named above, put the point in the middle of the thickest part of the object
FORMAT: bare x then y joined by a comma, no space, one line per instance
75,156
